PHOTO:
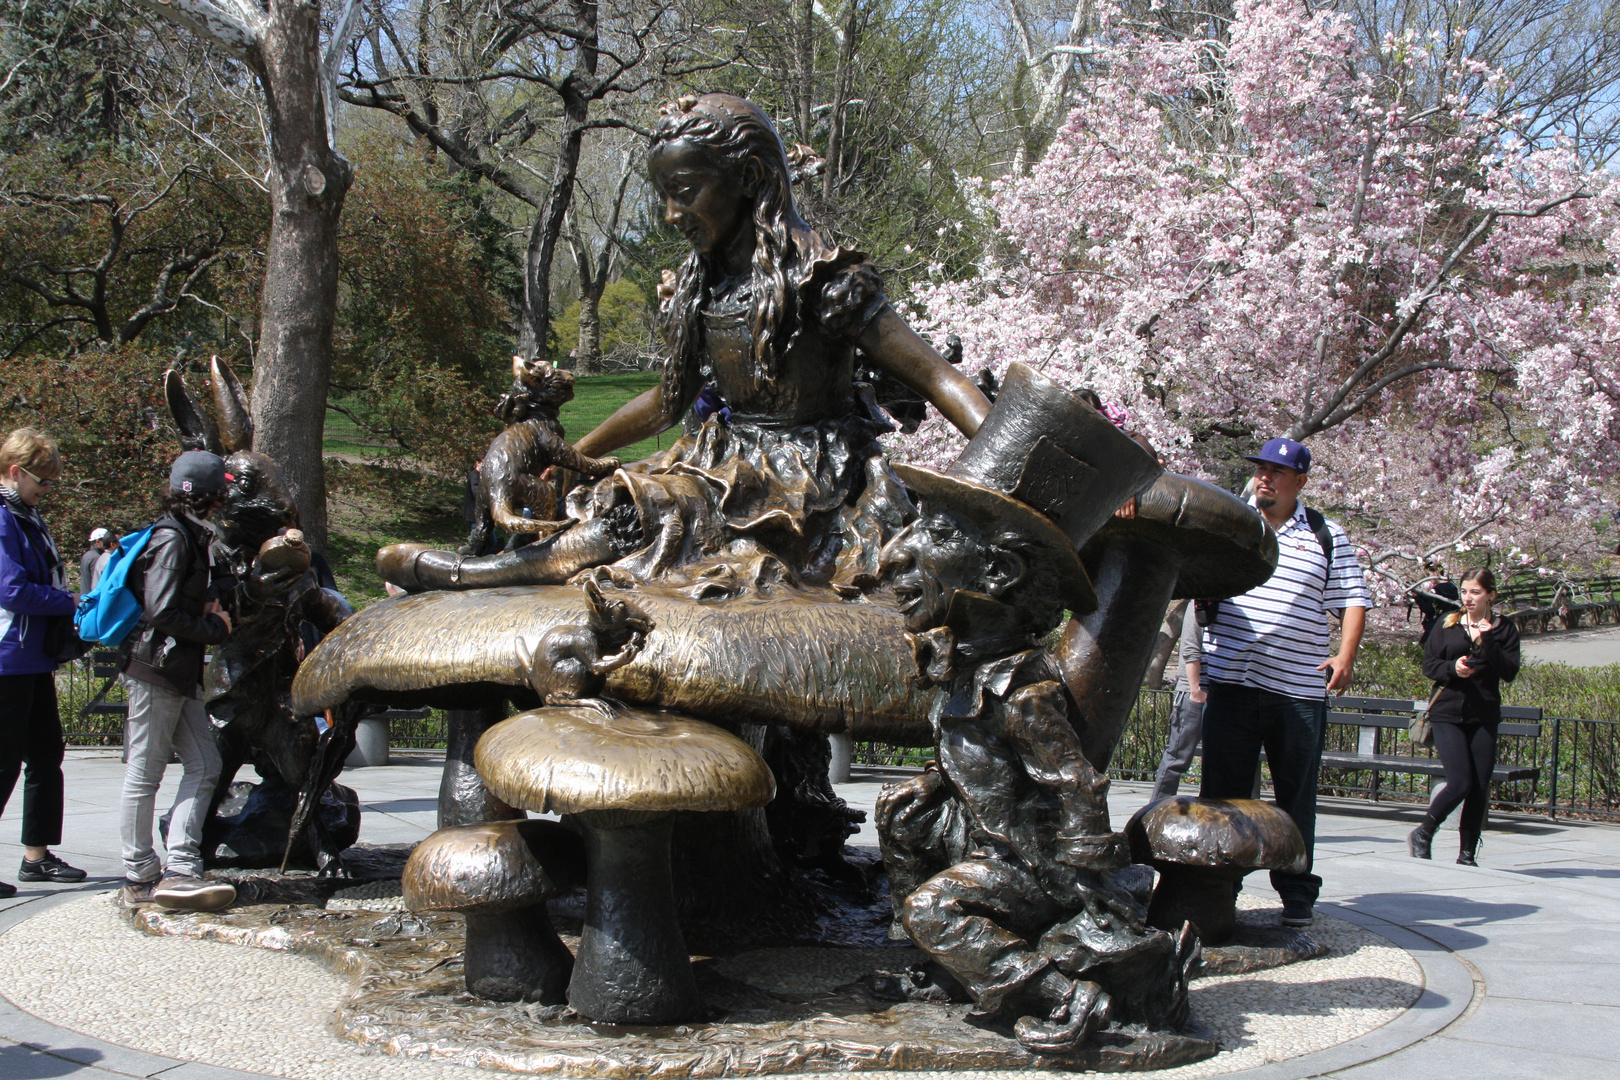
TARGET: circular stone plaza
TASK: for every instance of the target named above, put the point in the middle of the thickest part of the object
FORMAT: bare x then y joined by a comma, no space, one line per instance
1510,970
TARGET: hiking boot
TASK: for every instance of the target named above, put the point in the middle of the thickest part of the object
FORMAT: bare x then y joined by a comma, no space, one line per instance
181,892
50,868
136,893
1298,914
1419,840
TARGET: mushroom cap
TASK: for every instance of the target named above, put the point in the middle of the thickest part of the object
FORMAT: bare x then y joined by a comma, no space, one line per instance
570,759
1218,834
1223,545
489,867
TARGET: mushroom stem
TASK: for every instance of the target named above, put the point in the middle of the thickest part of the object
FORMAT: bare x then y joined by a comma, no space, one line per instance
1104,655
463,798
1198,895
632,967
517,956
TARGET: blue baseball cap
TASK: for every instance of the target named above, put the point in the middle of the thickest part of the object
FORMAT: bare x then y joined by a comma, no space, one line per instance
1284,452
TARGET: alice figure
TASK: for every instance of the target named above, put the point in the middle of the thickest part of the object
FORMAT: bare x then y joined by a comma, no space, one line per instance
784,483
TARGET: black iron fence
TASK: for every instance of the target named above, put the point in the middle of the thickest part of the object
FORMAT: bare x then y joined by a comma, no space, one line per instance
1579,760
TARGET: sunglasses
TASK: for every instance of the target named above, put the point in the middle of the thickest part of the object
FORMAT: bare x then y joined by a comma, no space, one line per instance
36,479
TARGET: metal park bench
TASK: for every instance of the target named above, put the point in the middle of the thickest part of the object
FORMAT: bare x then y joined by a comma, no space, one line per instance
1374,716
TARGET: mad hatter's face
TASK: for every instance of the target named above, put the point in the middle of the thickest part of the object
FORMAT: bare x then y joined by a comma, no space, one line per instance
929,561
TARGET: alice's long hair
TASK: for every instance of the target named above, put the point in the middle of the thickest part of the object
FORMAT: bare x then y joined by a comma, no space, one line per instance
735,133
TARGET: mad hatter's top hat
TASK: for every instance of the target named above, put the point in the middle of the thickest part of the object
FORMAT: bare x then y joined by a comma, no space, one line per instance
1046,463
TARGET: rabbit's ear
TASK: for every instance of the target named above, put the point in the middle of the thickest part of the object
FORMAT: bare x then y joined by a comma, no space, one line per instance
235,419
197,430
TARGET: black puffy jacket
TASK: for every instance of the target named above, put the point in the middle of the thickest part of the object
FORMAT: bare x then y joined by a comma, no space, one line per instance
171,578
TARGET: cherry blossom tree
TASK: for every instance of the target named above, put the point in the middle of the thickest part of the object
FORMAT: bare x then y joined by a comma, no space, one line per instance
1289,232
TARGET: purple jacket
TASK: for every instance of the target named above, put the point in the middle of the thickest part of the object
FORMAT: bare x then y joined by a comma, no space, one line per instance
29,571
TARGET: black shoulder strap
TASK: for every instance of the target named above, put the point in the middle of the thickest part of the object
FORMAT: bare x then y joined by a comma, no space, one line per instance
1324,536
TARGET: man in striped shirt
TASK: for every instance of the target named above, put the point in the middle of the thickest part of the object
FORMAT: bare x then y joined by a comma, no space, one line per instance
1267,667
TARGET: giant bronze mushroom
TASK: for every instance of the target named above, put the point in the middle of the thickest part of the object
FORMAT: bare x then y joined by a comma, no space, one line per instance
1187,539
622,773
499,874
1201,849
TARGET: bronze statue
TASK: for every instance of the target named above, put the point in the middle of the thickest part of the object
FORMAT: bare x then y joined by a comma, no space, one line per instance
512,475
270,592
785,483
763,574
1000,856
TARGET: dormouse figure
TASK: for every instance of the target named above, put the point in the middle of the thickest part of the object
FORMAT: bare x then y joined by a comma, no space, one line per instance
511,475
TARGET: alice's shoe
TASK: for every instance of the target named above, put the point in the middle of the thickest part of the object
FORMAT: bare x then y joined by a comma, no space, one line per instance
1419,840
1087,1009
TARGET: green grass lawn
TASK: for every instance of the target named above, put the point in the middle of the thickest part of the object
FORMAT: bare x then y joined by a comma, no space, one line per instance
595,399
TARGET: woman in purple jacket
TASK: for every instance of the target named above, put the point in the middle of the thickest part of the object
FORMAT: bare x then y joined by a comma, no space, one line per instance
33,587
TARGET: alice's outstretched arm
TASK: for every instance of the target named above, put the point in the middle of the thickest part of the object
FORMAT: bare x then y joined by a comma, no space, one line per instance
640,418
898,350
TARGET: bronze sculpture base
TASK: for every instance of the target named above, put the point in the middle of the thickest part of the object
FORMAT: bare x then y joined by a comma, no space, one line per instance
769,1011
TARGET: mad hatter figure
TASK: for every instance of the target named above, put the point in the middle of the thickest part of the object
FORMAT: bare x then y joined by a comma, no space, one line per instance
1001,857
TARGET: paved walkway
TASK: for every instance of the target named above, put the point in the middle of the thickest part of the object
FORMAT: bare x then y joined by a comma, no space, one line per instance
1595,647
1521,957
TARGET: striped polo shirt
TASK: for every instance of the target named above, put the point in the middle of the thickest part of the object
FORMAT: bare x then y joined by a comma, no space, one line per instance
1273,636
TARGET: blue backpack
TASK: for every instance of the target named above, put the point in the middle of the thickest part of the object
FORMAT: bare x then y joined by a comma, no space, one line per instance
108,612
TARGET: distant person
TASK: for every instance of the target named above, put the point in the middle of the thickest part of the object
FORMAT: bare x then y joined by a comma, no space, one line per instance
1469,655
1266,663
33,589
101,542
180,618
1436,596
1187,710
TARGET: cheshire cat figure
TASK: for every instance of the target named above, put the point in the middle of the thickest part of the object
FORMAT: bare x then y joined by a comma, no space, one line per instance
270,591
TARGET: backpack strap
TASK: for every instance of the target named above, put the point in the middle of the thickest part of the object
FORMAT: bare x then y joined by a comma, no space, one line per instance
1324,536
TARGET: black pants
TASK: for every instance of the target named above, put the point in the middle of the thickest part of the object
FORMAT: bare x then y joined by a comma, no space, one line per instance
1468,753
1239,721
31,734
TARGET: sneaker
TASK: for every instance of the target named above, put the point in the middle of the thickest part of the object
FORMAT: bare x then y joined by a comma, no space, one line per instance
182,892
50,868
136,893
1297,914
7,890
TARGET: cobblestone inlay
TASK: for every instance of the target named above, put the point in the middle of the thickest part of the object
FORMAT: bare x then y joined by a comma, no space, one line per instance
254,1010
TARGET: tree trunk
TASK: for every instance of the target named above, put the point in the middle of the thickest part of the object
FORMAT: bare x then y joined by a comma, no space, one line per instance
308,181
590,330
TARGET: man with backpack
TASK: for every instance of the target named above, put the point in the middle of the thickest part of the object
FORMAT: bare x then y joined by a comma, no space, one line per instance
1266,664
179,619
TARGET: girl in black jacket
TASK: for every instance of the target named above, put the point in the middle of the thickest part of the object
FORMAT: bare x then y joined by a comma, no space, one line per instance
1468,656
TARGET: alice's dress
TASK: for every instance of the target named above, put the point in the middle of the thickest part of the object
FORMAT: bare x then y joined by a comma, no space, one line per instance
787,485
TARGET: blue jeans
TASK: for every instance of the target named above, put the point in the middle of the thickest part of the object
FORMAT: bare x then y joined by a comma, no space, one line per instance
1241,720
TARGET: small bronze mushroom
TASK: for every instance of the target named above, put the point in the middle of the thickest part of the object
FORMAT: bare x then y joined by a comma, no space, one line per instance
499,874
1188,539
1201,848
621,773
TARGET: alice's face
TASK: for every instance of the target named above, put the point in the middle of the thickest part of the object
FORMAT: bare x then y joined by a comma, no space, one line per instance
705,202
928,562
